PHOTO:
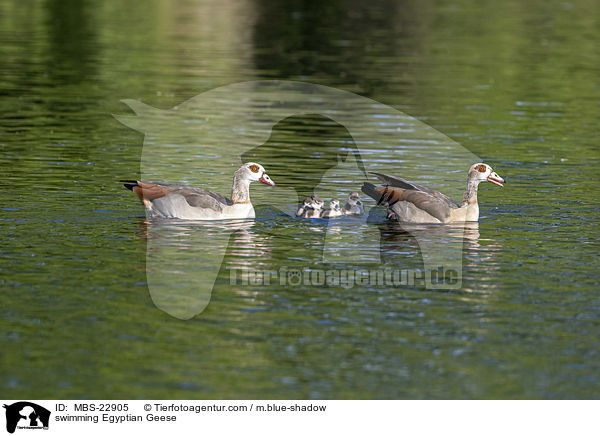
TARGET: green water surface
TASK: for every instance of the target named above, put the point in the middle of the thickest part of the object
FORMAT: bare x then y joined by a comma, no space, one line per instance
516,83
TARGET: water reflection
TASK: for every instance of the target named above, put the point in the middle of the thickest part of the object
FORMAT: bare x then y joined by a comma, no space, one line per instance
72,37
482,260
428,246
184,258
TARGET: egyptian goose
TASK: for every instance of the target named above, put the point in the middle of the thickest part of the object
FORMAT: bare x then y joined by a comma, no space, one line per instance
409,202
334,210
311,208
353,205
186,202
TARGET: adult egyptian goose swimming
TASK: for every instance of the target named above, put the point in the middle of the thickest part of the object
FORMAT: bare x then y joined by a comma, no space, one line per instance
409,202
353,205
334,210
186,202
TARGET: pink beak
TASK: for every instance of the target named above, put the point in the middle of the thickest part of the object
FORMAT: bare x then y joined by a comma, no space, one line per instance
266,180
496,179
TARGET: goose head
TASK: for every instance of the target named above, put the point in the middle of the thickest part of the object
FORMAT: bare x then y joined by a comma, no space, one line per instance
316,203
354,199
306,206
308,203
254,172
481,172
334,205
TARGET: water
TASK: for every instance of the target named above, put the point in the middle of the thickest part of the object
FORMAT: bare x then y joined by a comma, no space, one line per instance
517,86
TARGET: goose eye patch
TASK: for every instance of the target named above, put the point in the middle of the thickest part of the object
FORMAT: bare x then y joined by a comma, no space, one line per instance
254,168
482,168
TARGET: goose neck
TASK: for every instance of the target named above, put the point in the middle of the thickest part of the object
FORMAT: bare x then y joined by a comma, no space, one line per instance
470,195
240,192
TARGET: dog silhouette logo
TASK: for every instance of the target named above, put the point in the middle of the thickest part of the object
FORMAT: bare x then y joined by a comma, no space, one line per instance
26,415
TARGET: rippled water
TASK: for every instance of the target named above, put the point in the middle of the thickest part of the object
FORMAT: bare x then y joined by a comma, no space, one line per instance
517,87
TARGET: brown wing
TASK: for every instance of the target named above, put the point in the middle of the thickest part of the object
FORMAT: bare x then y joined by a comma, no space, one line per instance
389,195
401,183
148,191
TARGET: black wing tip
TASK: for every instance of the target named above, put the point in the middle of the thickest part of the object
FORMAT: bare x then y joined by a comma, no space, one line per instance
129,184
371,191
382,198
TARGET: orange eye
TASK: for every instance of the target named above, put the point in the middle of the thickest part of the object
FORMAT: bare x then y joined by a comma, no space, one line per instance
254,168
482,168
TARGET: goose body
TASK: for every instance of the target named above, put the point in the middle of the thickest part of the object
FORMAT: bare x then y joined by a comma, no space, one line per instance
312,207
335,210
186,202
353,205
409,202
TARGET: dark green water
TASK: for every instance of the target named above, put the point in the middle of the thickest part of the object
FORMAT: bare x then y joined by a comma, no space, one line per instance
517,84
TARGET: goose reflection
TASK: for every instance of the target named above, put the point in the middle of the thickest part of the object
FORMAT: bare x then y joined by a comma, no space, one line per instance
163,227
482,255
234,236
184,258
457,246
427,246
